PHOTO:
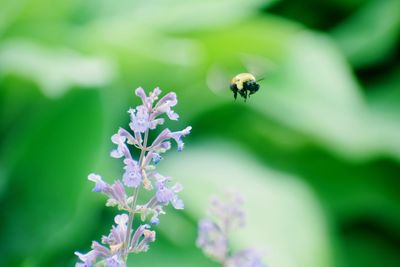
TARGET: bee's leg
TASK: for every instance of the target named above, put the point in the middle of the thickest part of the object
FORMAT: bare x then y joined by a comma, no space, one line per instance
242,94
234,90
246,89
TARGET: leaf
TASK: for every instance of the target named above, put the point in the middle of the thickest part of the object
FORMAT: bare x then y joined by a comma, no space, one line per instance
370,35
45,183
285,222
54,70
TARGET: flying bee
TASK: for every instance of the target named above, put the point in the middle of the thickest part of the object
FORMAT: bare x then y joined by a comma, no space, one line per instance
245,84
219,78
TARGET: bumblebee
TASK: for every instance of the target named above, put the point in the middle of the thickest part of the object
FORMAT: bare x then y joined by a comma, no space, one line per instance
245,84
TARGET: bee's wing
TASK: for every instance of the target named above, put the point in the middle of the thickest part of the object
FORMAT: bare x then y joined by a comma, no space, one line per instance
218,80
257,65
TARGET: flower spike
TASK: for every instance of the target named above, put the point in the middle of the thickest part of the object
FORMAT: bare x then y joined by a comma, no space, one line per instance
138,173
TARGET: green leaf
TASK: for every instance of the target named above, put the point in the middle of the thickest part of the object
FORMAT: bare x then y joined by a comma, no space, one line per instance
42,195
282,212
370,35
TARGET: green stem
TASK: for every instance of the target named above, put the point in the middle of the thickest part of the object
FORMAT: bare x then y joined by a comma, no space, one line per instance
135,196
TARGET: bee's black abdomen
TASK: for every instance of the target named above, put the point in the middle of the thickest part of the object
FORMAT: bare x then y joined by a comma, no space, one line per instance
251,86
255,88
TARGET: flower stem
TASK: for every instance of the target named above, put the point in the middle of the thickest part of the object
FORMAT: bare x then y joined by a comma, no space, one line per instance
135,196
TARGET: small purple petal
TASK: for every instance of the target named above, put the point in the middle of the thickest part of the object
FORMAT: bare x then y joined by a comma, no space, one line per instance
140,93
141,239
164,106
132,176
228,211
124,133
100,184
154,123
177,136
164,135
117,191
165,195
122,149
154,220
156,158
167,101
177,203
87,259
121,219
140,119
100,249
212,240
245,258
166,145
172,115
153,96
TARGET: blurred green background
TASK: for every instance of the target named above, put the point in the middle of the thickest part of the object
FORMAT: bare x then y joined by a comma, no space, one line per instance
315,153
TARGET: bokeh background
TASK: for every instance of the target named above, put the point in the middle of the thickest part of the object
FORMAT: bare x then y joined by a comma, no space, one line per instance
315,153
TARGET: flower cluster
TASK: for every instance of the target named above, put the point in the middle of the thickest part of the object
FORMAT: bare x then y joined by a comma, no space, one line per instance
140,173
213,235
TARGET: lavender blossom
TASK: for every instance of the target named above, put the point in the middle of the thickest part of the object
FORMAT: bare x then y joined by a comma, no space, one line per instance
166,194
141,239
115,192
213,235
212,240
139,119
138,174
132,176
228,212
245,258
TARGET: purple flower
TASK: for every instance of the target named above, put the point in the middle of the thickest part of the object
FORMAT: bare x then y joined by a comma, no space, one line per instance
213,236
153,96
156,158
161,141
132,176
111,256
154,220
211,240
87,259
154,123
177,136
100,184
122,149
115,192
164,106
115,261
245,258
145,117
228,211
139,119
130,139
117,235
138,174
167,195
154,209
142,94
142,238
100,250
117,195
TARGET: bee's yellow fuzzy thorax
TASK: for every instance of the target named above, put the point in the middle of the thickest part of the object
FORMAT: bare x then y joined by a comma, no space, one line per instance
241,78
